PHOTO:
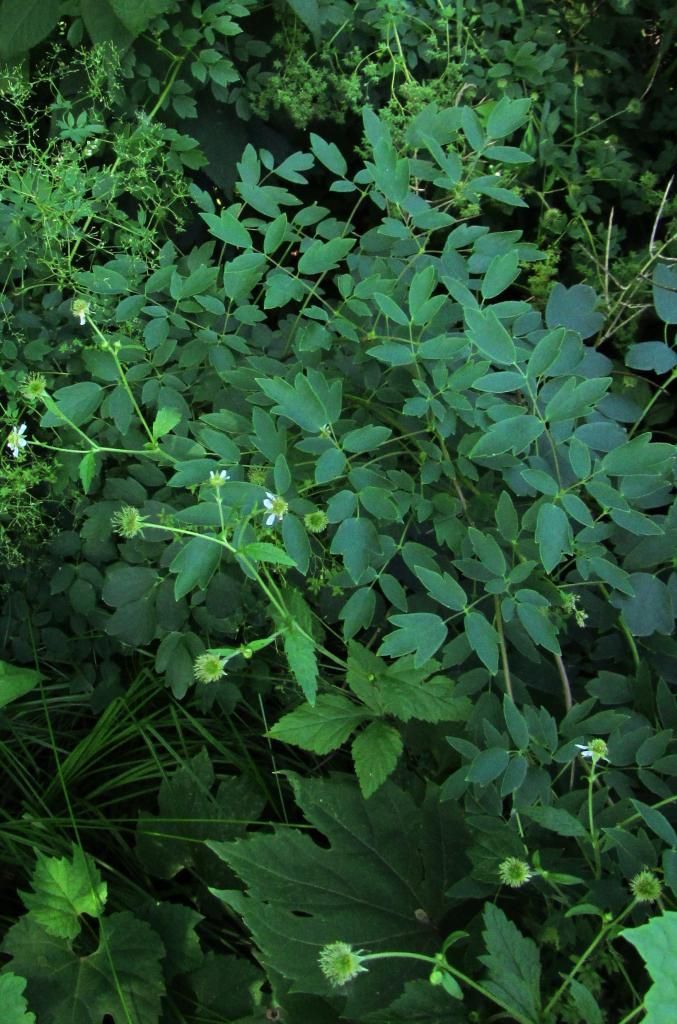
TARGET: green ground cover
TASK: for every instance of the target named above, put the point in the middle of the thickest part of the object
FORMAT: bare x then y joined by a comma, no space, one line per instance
337,519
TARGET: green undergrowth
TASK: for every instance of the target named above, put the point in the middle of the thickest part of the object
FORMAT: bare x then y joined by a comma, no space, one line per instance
337,519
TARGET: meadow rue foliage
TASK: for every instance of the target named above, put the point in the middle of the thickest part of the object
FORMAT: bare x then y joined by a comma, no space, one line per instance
340,963
369,404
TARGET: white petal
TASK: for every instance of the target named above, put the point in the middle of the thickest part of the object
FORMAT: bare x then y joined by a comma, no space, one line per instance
270,520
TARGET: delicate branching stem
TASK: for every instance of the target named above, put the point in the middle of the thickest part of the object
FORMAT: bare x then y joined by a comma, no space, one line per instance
502,647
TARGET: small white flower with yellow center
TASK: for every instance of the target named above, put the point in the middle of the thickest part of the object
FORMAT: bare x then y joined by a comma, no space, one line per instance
217,480
276,507
16,440
596,750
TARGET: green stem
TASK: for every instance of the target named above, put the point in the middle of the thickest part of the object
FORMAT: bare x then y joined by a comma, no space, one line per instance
442,965
594,838
586,956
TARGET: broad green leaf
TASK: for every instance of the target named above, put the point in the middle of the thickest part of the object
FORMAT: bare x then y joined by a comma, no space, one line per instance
136,17
650,610
299,645
507,116
538,626
296,543
87,470
262,551
585,1003
574,308
546,352
443,588
24,23
420,633
488,551
380,861
320,728
516,723
482,638
490,336
376,751
328,154
500,274
487,766
651,355
506,517
358,611
323,256
12,1001
365,439
553,535
656,942
555,819
64,889
165,421
638,457
194,565
513,964
390,309
15,680
76,403
308,11
190,811
330,466
665,291
228,228
420,289
575,399
512,435
356,540
122,977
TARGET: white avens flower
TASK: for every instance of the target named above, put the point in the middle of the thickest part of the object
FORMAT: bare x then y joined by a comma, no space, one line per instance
596,750
277,508
80,309
16,440
218,479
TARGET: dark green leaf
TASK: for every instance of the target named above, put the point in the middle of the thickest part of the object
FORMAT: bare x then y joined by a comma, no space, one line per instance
376,751
513,964
25,23
320,728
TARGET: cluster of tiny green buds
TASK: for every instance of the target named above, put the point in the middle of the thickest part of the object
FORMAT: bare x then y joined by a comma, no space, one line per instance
209,668
645,887
572,607
257,475
340,963
80,309
128,522
33,387
596,750
514,872
316,522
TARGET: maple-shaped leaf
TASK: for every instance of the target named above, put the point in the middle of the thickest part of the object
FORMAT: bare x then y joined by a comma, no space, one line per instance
378,881
63,889
121,978
513,963
191,812
12,1000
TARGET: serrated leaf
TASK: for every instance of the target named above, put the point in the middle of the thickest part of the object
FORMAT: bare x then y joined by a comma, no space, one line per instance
14,1008
165,421
513,964
379,862
299,645
555,819
63,889
122,978
190,812
320,728
656,941
376,751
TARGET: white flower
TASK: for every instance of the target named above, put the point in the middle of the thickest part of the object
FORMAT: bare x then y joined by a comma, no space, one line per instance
80,310
276,506
16,441
596,750
218,479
